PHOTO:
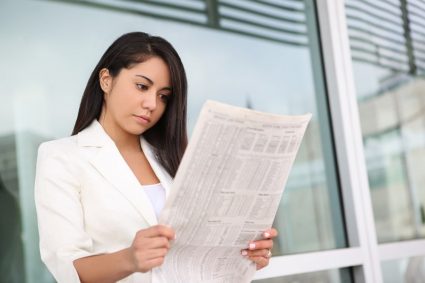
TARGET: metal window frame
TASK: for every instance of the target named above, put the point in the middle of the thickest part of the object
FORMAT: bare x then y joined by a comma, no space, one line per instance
365,254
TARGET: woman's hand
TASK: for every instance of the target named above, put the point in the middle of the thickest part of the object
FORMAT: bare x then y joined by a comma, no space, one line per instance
149,247
260,251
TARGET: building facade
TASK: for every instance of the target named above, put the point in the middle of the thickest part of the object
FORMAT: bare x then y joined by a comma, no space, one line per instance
353,209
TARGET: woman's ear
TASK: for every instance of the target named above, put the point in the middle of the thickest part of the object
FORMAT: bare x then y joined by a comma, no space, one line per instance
105,80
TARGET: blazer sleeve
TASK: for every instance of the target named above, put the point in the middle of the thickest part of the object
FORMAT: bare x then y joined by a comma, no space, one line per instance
60,213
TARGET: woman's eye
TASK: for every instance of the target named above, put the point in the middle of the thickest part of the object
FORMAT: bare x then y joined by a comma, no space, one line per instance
164,97
142,86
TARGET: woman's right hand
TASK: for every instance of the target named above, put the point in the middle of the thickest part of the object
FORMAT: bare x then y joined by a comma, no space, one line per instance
150,246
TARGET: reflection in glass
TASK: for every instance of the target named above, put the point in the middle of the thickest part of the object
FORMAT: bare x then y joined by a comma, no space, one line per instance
410,270
256,54
328,276
11,246
389,75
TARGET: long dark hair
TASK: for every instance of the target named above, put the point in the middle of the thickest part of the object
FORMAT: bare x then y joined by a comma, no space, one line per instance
169,135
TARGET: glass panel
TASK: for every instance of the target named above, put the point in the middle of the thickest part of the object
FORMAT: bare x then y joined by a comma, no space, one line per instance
387,45
328,276
410,270
261,55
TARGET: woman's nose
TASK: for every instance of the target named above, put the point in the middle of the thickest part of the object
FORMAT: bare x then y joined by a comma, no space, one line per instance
149,101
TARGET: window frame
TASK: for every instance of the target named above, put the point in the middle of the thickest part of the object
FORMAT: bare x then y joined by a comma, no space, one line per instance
364,253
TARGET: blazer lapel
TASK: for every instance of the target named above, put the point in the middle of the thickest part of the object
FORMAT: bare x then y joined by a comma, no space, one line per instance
110,163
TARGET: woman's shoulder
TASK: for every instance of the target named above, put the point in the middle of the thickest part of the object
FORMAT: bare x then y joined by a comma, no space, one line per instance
58,146
60,155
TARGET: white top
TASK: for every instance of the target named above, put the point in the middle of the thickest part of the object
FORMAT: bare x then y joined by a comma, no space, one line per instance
156,194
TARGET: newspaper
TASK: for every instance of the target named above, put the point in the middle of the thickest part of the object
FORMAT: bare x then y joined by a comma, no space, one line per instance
227,191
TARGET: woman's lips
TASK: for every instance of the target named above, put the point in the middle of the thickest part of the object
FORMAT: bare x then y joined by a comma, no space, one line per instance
142,119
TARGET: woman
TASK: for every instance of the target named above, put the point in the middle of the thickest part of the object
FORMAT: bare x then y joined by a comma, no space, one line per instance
99,192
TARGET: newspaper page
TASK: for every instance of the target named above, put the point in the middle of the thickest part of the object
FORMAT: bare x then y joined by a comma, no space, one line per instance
227,191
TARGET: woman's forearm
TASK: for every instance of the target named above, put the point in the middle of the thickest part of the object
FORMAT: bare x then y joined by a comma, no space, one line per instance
105,267
147,251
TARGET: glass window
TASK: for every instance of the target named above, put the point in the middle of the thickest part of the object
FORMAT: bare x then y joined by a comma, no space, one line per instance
409,270
327,276
262,55
387,46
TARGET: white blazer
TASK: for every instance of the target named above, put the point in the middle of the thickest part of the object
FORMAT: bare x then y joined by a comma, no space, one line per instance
88,200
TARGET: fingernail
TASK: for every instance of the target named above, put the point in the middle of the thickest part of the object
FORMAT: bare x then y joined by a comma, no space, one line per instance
252,246
267,234
244,252
175,236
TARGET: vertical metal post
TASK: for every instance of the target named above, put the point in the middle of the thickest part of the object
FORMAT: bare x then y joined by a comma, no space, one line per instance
408,37
335,199
348,137
212,13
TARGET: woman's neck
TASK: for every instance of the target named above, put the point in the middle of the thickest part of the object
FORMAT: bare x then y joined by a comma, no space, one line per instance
124,141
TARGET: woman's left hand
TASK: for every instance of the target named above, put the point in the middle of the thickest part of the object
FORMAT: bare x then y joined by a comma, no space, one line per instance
260,251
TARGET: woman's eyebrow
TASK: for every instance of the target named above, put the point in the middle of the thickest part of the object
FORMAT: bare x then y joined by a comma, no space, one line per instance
148,79
151,81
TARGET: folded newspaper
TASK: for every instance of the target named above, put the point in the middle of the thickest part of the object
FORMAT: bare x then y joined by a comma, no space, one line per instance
227,191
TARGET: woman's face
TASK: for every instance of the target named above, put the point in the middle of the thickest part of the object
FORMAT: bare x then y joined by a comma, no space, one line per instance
135,99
